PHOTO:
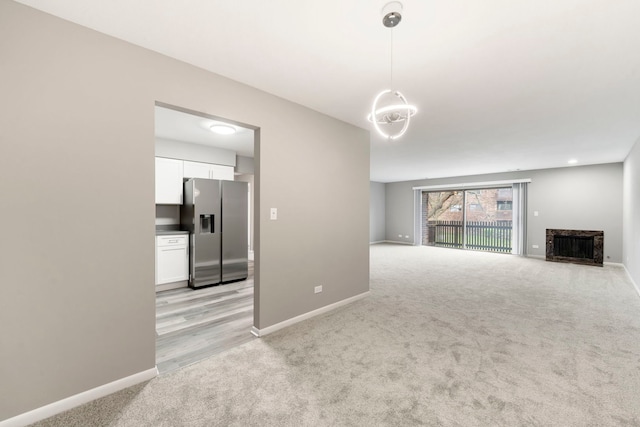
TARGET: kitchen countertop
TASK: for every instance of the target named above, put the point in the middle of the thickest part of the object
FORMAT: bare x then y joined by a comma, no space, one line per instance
170,232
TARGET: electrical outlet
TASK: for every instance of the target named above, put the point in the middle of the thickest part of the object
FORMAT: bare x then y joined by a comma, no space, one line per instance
535,246
317,289
400,235
406,237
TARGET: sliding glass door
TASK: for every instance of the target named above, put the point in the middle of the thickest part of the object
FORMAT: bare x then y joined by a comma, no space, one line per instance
489,219
443,213
479,219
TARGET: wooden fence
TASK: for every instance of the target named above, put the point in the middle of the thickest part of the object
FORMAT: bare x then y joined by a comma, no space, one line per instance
494,236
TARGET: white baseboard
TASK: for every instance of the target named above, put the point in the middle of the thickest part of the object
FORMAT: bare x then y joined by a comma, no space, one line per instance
395,242
614,264
377,242
173,285
270,329
78,399
635,285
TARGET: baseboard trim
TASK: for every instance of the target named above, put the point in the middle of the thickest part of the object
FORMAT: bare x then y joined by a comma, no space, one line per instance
395,242
270,329
633,282
78,399
613,264
377,242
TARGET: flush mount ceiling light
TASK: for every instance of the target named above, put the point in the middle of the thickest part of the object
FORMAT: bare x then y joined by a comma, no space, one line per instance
572,161
222,129
390,112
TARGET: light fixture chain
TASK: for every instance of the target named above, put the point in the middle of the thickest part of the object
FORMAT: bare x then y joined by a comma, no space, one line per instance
391,63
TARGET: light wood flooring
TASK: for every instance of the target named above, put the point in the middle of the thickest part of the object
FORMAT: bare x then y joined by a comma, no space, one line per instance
192,325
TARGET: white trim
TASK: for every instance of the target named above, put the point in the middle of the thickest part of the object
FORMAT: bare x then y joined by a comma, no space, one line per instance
395,242
400,243
472,184
172,285
273,328
78,399
635,285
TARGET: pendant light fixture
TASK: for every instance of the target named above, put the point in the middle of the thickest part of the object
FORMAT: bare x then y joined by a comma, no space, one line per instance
390,112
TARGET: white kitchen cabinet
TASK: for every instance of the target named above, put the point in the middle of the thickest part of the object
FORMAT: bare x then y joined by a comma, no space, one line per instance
169,174
207,170
172,258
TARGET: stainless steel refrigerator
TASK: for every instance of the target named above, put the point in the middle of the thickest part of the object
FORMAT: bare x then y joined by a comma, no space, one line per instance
215,212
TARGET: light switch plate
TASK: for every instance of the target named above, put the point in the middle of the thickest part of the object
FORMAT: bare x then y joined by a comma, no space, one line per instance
274,213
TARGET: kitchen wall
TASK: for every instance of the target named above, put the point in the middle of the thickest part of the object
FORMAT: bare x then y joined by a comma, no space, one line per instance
194,152
376,212
77,296
244,165
631,214
167,214
580,197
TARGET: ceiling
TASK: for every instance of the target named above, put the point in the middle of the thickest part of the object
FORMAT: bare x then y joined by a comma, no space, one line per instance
499,84
181,126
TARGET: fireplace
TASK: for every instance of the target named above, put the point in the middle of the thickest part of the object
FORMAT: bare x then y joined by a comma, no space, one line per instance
576,246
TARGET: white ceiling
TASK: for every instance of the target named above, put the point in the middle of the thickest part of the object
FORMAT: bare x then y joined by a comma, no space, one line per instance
181,126
500,84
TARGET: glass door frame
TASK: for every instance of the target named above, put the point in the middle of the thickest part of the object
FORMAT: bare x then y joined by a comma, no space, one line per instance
519,208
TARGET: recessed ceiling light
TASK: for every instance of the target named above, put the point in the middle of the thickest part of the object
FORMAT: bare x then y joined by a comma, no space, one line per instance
223,129
572,161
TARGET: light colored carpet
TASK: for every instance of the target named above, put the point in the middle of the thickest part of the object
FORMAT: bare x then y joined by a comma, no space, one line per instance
446,338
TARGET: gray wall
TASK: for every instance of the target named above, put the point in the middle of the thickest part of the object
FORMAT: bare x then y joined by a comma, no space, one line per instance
582,197
244,165
77,301
377,208
631,213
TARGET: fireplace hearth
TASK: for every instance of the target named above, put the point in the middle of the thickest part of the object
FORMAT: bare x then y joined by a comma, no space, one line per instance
575,246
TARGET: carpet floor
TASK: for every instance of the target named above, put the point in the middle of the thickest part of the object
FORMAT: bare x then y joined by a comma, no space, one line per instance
446,338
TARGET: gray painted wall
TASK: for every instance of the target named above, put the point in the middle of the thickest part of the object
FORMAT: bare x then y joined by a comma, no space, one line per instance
376,211
244,165
77,297
631,213
582,197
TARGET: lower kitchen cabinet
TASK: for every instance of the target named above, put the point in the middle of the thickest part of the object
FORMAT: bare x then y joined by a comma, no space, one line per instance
172,258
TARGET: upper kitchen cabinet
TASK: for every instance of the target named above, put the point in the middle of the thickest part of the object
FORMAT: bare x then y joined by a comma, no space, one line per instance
169,174
207,170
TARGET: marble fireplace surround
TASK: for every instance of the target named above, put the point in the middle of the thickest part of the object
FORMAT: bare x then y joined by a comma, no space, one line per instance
598,246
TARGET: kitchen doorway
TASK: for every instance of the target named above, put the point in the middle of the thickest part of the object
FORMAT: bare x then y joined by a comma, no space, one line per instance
193,324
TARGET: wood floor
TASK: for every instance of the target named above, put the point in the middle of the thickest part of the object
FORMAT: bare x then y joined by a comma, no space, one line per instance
194,324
